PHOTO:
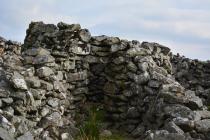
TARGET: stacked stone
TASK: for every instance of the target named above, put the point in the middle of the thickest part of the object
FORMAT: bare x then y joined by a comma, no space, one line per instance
193,75
127,77
65,76
48,80
99,60
141,94
62,68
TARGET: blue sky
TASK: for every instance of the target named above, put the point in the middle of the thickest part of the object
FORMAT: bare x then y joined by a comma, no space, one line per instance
182,25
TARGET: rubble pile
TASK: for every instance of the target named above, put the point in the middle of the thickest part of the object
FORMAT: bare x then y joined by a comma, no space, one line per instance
146,91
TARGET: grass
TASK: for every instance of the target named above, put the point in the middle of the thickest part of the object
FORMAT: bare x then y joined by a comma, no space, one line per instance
90,130
208,108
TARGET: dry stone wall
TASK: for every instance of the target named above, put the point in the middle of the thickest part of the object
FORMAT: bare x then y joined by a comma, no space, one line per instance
193,75
146,90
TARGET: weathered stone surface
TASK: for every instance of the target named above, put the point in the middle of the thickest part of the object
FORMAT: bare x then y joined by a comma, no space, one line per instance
33,82
81,50
132,67
77,76
203,125
36,51
42,59
140,79
44,72
132,52
144,89
53,119
173,128
26,136
84,35
165,135
19,81
117,47
45,85
119,60
4,135
72,27
154,84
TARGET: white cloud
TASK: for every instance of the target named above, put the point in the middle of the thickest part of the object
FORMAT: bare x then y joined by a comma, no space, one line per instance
169,20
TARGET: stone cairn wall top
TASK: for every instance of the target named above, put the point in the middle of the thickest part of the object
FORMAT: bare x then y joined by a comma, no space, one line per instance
146,90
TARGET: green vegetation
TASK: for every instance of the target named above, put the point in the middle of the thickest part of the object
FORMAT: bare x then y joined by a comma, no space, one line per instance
90,130
91,127
208,108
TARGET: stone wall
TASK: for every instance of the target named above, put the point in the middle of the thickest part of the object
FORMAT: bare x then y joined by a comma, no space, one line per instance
193,75
146,90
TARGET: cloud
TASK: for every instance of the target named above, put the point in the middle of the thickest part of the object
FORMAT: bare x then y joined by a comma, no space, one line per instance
184,23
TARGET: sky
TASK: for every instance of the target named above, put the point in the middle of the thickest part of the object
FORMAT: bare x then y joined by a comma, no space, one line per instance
182,25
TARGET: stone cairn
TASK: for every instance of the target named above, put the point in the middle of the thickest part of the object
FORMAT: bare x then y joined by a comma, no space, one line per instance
146,91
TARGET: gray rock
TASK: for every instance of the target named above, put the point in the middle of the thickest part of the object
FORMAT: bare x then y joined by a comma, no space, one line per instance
143,66
194,102
29,72
4,135
77,76
184,123
148,46
26,136
33,82
19,81
54,102
177,111
140,79
111,41
45,85
7,100
68,65
44,72
42,59
80,50
84,35
53,119
119,60
173,128
105,133
92,59
204,114
37,51
165,135
44,111
132,52
154,84
59,54
99,48
71,27
117,47
139,131
203,125
66,136
37,93
132,67
97,40
59,75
